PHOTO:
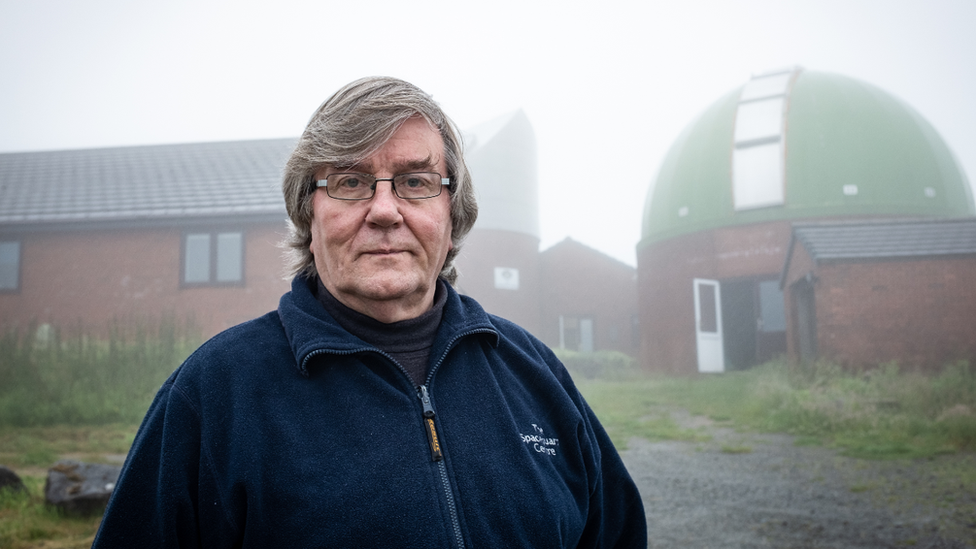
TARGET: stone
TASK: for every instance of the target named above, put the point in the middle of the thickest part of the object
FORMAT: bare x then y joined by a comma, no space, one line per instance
10,481
80,489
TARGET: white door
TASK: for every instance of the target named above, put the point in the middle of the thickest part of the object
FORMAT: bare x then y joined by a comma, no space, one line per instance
708,326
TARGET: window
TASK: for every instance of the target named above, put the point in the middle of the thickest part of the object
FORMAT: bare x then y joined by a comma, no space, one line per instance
9,266
757,158
707,309
213,258
576,333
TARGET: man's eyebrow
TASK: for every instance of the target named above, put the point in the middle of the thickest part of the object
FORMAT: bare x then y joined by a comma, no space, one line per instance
400,166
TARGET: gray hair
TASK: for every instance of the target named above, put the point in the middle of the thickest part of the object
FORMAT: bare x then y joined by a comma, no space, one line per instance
349,127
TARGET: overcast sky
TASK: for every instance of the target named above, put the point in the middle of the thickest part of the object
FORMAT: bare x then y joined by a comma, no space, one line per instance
606,85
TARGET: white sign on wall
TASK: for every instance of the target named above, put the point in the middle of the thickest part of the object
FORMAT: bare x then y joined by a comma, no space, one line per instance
506,278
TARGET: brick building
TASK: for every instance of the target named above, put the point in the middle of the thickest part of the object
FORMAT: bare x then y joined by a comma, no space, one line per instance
92,238
136,234
788,147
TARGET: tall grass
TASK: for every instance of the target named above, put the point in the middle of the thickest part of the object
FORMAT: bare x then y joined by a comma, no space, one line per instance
47,378
882,412
878,413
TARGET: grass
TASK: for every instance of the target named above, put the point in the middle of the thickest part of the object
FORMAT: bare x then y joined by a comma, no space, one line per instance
81,395
627,411
879,414
47,378
26,522
24,447
736,449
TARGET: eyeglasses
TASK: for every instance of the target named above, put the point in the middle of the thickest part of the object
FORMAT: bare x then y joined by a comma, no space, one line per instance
361,186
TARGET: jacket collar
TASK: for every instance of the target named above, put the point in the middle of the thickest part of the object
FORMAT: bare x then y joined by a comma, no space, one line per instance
311,330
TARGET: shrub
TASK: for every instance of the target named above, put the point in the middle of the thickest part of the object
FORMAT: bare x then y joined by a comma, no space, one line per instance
607,365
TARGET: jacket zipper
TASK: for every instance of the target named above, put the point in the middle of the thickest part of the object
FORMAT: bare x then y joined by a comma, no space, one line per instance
438,457
435,446
436,454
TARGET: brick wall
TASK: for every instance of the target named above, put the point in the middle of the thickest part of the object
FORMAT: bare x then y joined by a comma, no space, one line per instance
919,312
486,249
95,276
665,274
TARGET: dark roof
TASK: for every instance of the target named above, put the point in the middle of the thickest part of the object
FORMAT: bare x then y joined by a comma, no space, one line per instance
147,182
890,239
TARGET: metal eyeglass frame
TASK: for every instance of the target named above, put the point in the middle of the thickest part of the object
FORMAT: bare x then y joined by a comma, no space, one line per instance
320,183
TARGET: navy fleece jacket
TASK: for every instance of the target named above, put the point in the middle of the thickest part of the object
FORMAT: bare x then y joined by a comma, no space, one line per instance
288,431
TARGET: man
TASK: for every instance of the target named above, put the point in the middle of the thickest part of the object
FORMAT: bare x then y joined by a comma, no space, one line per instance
376,407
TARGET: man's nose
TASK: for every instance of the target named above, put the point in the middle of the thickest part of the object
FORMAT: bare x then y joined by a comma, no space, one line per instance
384,207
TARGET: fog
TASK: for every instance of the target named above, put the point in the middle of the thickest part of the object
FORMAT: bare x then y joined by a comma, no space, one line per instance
607,86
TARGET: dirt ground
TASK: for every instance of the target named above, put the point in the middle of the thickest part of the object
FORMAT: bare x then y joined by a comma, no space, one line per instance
743,490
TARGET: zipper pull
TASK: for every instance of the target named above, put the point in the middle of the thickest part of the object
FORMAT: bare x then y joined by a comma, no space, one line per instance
435,443
425,399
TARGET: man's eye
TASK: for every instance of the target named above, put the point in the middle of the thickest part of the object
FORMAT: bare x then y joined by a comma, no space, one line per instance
351,182
415,182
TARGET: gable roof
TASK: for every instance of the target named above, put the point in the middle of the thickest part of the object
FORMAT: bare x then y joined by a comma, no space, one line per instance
891,239
142,183
569,246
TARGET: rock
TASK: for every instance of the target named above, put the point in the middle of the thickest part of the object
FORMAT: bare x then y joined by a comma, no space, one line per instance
10,481
80,489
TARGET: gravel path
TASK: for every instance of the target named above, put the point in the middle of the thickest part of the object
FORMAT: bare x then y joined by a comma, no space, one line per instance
743,490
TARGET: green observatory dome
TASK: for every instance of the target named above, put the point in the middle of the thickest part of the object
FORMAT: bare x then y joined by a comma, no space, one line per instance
797,144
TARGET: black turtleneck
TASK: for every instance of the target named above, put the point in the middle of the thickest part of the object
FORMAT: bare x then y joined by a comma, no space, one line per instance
407,341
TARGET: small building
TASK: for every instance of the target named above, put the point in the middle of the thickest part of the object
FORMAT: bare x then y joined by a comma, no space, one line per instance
867,293
588,300
791,146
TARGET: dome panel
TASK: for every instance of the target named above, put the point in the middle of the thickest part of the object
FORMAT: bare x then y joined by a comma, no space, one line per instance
853,149
848,149
694,184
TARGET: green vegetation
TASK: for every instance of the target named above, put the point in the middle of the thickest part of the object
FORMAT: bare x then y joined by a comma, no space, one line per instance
40,447
83,398
47,379
26,522
604,365
628,409
736,449
80,396
878,413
